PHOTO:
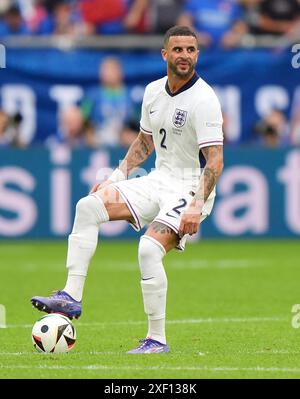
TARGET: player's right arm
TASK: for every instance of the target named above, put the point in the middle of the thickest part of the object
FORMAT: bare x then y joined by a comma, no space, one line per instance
138,152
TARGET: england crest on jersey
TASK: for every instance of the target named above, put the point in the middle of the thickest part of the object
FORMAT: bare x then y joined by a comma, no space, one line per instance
179,117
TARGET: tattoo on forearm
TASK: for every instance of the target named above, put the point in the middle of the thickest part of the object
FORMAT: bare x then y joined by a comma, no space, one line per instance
138,156
145,147
139,151
142,151
208,180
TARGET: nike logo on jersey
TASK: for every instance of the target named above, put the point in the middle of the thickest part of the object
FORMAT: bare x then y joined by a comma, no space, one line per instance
152,112
145,279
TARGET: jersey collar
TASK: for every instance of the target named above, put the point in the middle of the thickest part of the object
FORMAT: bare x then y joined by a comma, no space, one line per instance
185,87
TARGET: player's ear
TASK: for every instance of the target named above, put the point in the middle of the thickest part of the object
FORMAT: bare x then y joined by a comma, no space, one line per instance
164,54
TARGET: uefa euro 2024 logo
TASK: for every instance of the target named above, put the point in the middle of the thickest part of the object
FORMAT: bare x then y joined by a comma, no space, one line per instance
2,56
296,57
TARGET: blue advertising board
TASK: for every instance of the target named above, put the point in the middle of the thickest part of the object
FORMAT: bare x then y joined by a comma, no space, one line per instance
258,193
249,83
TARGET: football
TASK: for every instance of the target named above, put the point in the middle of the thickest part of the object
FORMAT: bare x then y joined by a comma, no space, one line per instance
53,333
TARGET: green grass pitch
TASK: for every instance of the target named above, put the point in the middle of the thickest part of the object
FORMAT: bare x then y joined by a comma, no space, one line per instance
229,312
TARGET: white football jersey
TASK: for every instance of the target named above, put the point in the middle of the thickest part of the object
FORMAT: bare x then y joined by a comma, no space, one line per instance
181,124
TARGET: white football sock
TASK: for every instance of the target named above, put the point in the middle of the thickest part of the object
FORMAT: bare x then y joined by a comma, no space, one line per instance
74,286
156,330
90,213
154,286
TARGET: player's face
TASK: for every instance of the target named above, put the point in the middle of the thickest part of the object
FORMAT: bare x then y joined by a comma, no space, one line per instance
181,54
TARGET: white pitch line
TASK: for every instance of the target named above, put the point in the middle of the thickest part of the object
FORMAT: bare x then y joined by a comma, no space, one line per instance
182,321
220,263
110,353
19,326
95,367
203,263
276,352
227,320
17,353
92,353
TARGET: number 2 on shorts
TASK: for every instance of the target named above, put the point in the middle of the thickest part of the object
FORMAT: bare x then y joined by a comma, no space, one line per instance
176,208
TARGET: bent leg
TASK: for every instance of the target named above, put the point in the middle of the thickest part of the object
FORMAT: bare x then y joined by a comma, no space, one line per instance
91,212
115,206
157,241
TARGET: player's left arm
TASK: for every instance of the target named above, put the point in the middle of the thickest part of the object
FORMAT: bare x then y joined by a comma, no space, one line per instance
190,219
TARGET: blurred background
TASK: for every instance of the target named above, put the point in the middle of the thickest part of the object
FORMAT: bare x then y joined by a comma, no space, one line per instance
72,78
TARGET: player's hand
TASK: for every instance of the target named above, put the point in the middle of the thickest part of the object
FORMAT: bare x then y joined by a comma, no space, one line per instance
99,186
190,221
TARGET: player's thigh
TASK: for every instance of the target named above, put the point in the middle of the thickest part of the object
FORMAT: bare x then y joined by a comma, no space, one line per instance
116,207
163,234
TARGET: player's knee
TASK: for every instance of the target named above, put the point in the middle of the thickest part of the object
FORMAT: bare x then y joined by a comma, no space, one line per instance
150,249
82,206
85,207
91,208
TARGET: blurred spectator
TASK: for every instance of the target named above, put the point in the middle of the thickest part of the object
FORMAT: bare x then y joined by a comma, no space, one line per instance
129,134
218,22
272,17
278,16
4,6
33,12
163,14
73,130
272,129
64,19
108,106
13,23
9,130
251,15
50,5
115,16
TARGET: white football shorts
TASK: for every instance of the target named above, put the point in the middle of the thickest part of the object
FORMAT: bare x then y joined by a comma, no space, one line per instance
156,197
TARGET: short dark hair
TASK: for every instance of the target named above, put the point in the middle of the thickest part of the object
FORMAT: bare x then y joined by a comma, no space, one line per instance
179,31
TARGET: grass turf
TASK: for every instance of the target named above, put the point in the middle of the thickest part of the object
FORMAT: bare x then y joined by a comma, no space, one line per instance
229,312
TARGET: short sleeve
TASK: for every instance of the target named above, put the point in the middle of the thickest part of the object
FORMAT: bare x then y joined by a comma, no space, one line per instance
208,122
145,125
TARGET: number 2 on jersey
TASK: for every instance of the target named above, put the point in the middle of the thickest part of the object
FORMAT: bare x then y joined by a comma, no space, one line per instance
164,135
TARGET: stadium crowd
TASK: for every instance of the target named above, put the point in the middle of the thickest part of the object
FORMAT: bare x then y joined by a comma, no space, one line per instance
106,115
218,22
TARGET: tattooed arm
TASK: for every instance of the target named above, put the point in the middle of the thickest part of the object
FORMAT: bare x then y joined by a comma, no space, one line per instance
138,152
214,165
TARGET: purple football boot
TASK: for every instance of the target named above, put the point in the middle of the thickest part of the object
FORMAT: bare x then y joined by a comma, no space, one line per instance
59,302
149,345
